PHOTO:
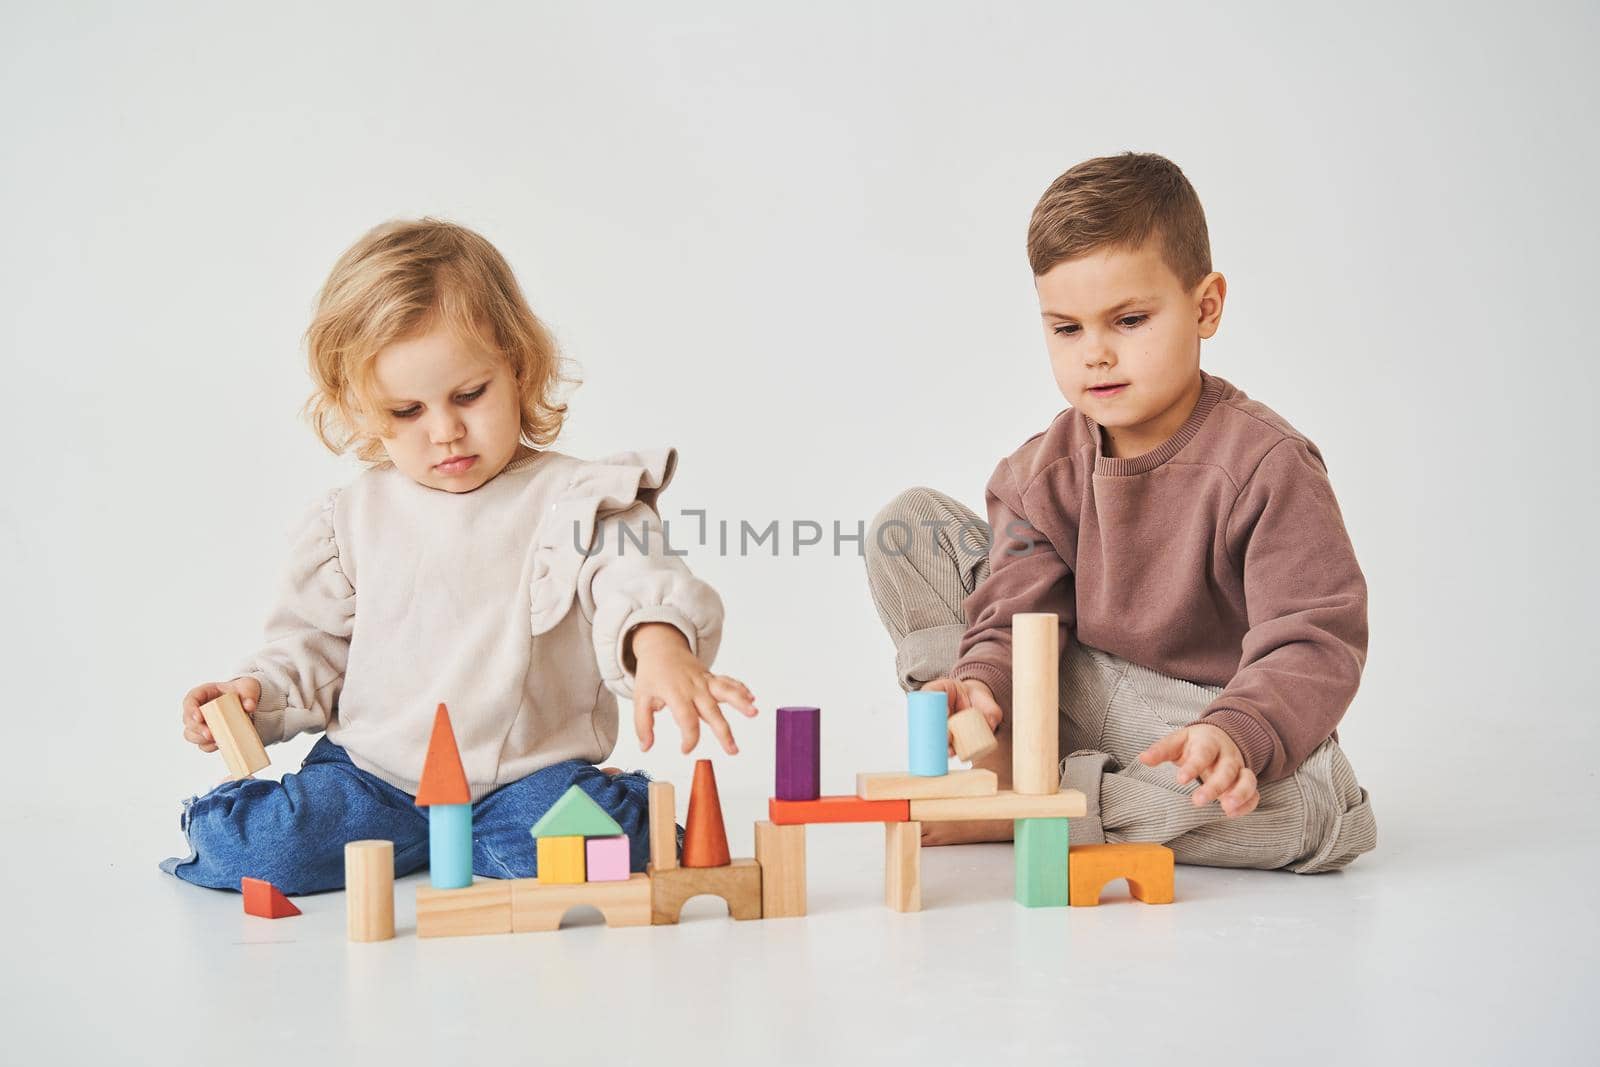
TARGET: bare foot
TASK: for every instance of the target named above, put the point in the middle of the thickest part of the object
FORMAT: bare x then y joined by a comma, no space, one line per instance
966,833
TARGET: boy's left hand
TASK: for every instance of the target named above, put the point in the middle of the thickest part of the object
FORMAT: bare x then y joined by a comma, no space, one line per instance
1206,752
668,675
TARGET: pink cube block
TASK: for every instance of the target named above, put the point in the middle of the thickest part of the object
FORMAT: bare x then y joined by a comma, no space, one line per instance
607,858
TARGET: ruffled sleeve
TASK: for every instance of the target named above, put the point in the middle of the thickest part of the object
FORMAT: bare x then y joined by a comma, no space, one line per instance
603,547
301,668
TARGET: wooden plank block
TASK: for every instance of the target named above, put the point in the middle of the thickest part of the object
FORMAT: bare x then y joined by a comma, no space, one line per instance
235,735
970,734
893,785
263,899
836,809
1068,803
799,754
902,865
1041,862
663,826
1146,866
561,860
369,890
1035,692
739,883
484,907
537,906
606,859
781,852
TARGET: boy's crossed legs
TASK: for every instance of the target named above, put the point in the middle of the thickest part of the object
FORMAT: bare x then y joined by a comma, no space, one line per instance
1318,819
292,833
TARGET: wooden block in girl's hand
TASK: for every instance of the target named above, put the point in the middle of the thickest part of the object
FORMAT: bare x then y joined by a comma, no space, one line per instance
235,735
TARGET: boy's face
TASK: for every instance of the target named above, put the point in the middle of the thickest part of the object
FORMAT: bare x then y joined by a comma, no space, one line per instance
455,415
1124,340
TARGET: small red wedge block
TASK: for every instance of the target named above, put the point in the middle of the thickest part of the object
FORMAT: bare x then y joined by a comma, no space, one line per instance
265,899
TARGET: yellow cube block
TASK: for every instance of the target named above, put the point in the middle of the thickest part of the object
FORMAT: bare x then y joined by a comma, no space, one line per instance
561,860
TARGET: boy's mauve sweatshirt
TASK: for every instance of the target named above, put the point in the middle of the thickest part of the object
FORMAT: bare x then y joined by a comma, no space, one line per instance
509,603
1220,558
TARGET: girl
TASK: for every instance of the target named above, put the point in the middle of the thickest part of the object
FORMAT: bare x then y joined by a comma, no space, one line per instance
485,578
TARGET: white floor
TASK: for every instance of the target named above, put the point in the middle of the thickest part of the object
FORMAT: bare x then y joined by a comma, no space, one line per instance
1472,944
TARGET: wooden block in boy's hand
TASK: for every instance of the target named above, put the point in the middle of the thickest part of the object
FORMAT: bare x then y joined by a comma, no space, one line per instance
235,735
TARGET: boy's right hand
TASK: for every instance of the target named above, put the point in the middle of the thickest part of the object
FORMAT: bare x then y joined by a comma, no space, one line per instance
964,693
248,691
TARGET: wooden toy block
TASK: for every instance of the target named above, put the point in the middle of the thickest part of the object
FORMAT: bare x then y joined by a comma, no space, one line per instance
1146,866
836,809
235,735
450,846
738,883
576,815
537,906
663,826
266,900
1065,804
781,852
927,732
970,733
561,860
606,859
1035,692
902,865
705,837
799,754
369,890
1041,862
891,785
484,907
443,780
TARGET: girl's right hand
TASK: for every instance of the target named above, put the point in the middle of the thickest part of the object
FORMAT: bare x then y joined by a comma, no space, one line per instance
248,691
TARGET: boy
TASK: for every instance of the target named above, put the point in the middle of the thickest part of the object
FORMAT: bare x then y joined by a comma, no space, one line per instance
1213,615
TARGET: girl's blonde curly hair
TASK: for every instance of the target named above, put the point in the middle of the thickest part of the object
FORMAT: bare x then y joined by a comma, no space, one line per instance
401,278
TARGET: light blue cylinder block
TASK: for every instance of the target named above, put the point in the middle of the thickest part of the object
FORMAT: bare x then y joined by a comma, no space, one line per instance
450,846
928,719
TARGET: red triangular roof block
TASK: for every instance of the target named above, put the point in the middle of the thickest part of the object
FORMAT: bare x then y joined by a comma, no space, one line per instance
443,780
265,899
705,838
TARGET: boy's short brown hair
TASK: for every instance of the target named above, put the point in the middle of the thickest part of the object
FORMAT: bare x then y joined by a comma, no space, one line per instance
1120,201
401,278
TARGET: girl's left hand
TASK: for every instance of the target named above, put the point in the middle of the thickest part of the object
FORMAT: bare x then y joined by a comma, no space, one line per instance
670,676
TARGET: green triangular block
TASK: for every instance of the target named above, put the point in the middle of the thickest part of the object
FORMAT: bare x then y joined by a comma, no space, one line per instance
576,815
1041,857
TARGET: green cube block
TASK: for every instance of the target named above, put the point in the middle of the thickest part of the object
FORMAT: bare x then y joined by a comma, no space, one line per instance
1041,852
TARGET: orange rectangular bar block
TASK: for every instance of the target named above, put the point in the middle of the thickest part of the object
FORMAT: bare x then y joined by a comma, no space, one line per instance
837,809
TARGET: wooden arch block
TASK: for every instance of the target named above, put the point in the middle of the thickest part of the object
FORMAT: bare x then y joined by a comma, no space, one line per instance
739,883
1147,867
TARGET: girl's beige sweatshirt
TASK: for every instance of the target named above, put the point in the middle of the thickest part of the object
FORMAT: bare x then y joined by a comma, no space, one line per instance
508,603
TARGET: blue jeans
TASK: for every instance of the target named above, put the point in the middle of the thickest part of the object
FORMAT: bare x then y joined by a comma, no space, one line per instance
292,833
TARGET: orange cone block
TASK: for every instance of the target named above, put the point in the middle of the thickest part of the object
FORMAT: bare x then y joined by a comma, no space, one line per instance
444,781
705,838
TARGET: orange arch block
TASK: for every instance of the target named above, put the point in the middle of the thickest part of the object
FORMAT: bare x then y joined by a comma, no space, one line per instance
443,779
705,838
1147,867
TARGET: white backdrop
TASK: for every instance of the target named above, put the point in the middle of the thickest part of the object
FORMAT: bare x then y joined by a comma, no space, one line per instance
790,242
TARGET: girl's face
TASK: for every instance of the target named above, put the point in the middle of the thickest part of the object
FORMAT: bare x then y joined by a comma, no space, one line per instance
456,417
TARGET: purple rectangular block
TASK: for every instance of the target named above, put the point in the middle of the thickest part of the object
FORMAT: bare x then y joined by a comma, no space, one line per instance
799,753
